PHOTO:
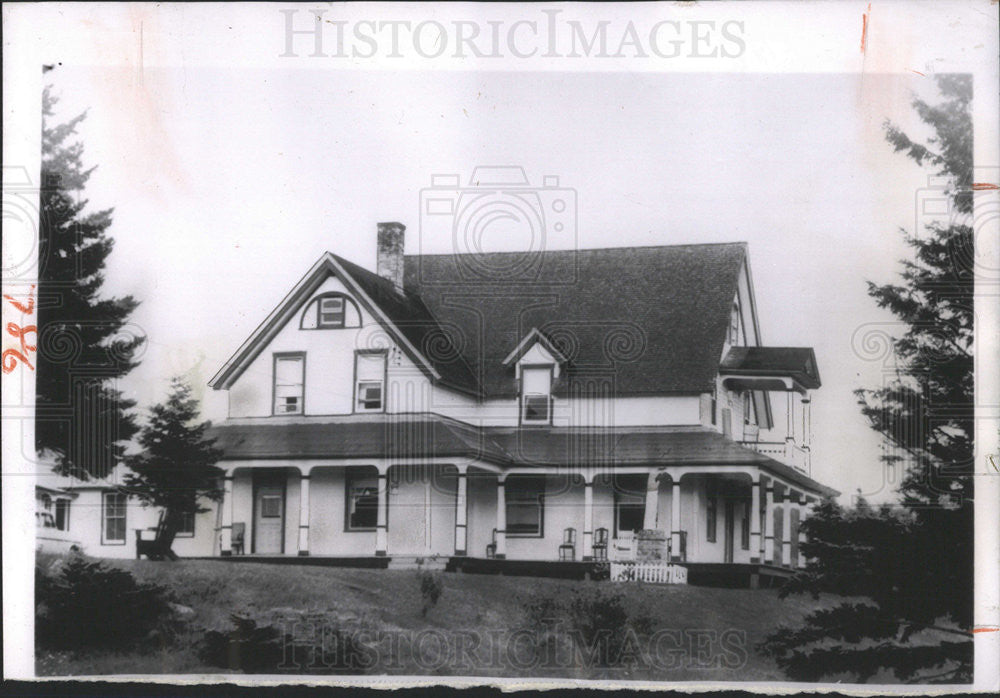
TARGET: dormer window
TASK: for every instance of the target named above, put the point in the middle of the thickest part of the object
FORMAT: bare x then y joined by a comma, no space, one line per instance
536,394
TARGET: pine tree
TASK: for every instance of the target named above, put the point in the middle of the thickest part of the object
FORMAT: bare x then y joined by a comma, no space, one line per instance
85,343
913,565
176,468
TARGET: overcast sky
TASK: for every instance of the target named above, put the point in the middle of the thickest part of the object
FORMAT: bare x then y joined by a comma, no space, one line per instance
228,184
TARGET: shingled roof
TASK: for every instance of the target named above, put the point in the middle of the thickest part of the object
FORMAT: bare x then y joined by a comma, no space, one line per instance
431,436
647,320
796,362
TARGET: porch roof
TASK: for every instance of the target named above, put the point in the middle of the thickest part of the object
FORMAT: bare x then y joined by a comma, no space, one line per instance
355,436
433,436
615,447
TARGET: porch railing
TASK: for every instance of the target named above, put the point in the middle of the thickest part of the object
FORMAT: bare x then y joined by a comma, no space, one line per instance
786,452
649,572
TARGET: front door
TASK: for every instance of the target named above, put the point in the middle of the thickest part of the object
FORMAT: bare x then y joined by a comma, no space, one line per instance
409,503
269,519
730,525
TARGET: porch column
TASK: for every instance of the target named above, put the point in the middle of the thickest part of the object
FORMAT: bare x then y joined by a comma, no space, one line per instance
226,532
501,551
675,520
769,523
651,514
304,514
381,523
755,520
803,513
588,516
786,529
461,511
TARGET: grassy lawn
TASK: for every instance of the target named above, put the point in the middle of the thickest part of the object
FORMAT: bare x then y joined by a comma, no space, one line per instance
479,625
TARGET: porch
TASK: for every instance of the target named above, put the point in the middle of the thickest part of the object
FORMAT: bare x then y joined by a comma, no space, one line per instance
481,518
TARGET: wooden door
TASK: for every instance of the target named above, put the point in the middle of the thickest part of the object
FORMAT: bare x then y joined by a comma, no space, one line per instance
269,519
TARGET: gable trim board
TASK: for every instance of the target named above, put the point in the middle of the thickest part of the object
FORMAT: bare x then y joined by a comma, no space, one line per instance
292,304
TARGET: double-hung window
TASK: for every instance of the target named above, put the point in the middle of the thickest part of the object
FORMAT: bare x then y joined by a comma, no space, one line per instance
536,394
62,514
289,383
331,312
185,528
114,518
524,498
370,392
362,501
711,515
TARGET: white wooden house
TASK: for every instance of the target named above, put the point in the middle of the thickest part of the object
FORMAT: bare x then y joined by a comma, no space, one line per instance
506,408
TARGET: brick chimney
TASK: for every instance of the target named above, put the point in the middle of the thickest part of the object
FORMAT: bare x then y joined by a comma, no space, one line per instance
390,252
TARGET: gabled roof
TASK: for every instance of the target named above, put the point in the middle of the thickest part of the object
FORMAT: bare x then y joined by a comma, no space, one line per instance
649,320
402,315
797,363
533,337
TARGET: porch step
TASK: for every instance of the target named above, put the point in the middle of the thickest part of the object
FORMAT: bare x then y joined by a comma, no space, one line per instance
412,562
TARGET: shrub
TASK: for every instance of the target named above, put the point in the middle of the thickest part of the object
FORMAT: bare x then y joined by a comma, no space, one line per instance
86,604
596,621
431,588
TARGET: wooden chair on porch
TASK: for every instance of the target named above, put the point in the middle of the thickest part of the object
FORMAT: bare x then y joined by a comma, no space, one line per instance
156,548
567,551
491,548
600,544
236,540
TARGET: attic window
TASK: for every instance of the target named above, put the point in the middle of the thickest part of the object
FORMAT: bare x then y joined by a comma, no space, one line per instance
536,394
331,312
734,325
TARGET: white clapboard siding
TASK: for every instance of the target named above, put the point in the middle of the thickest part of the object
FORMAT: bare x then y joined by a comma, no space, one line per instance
649,572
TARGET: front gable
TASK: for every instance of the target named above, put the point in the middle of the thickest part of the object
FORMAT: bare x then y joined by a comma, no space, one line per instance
327,276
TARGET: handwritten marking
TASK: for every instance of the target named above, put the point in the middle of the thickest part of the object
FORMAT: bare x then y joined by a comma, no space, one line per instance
984,186
986,630
993,463
10,357
864,27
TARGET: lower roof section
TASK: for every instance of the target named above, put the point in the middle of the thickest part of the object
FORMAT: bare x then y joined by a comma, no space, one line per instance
431,436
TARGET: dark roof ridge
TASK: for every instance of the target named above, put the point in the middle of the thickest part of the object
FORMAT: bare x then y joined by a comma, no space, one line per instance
581,249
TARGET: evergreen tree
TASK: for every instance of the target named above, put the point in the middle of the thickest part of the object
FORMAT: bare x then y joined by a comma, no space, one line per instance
176,468
914,565
84,342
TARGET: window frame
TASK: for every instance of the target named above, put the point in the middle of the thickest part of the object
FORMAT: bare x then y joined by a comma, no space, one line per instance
536,497
356,404
277,356
521,396
745,525
104,518
317,312
64,506
351,475
183,532
618,492
335,325
711,514
747,407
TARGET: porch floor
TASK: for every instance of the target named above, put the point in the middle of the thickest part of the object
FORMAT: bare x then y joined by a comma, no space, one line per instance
699,573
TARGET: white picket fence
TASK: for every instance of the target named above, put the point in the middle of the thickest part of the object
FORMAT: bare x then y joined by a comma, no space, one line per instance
650,572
